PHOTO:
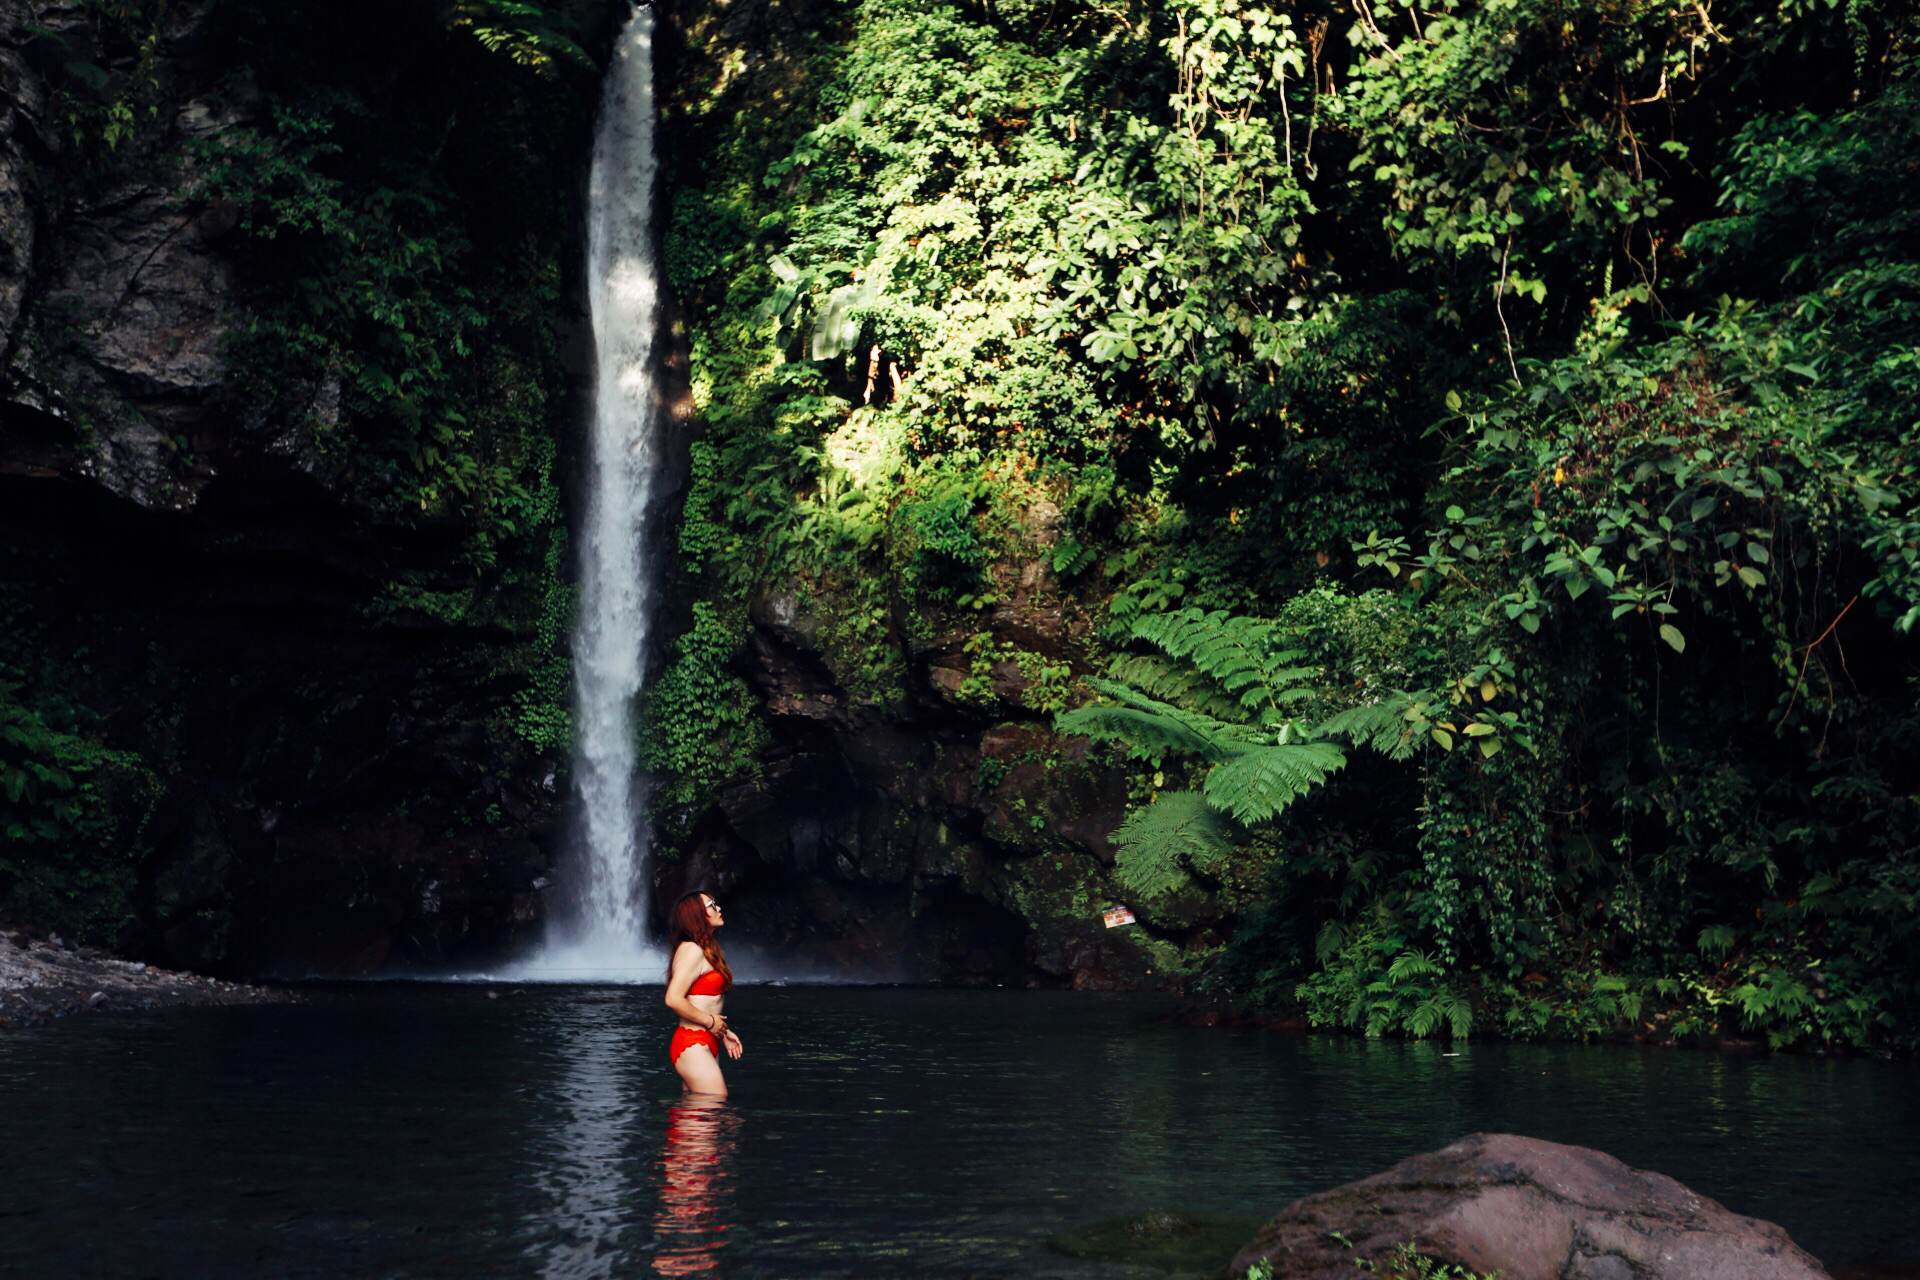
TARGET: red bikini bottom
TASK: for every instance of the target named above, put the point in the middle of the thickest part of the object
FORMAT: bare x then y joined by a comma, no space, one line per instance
684,1038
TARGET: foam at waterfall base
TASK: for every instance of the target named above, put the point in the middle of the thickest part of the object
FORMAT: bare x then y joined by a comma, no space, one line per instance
617,961
623,963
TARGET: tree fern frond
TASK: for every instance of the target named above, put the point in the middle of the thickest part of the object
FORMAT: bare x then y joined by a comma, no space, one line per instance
1223,694
1181,631
1156,838
1152,727
1257,784
1144,733
1327,943
1276,700
1235,652
1285,677
1382,726
1177,683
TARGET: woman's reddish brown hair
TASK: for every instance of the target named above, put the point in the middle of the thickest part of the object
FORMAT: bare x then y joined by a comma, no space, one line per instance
688,922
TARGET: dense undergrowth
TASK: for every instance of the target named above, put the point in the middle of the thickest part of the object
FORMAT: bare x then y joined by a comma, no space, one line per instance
1485,424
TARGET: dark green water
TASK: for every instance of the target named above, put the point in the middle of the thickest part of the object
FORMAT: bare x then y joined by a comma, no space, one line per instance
401,1131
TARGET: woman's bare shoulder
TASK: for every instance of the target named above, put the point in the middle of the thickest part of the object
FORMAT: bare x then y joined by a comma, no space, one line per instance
685,966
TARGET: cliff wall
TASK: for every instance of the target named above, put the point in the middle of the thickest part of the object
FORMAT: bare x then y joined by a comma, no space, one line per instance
282,587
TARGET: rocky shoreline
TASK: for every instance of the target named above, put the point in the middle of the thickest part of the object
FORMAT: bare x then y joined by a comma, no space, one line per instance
44,980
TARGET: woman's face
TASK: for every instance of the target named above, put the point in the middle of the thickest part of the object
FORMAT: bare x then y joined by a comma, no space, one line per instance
714,914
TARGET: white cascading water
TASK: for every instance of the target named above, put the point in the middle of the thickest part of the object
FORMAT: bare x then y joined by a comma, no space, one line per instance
607,942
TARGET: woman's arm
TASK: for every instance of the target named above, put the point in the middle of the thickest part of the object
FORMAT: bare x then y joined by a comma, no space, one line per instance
686,967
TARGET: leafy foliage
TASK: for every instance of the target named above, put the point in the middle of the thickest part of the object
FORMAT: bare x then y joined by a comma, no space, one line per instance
700,728
523,31
71,810
1684,494
1518,390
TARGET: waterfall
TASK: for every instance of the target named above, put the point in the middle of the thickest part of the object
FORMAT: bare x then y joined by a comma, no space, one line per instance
607,941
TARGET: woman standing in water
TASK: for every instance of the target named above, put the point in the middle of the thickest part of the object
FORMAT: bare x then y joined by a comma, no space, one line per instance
697,981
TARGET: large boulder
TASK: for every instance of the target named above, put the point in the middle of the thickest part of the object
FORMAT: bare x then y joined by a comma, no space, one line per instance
1529,1210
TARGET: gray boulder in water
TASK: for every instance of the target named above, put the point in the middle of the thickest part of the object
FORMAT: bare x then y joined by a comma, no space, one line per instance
1529,1210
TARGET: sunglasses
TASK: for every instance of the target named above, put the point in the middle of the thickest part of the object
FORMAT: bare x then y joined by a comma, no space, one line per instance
713,906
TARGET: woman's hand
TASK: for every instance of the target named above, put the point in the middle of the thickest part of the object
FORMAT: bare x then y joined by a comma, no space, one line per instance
732,1041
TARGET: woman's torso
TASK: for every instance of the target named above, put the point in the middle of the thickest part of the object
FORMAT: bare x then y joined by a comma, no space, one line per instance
707,992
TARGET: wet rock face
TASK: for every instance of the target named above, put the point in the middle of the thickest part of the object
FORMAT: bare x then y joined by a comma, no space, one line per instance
148,298
1529,1210
22,100
115,301
944,834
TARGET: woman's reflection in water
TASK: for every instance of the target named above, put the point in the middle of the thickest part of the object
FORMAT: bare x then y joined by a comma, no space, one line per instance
696,1186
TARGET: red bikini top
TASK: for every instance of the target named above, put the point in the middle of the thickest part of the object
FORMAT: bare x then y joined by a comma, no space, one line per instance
710,983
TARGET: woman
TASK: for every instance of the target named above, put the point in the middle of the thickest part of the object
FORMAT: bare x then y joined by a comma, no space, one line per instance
697,980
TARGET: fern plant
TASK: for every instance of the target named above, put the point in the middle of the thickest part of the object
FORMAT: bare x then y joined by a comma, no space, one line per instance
1225,693
1371,980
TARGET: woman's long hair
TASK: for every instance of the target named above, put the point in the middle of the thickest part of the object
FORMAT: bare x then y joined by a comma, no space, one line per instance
688,922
